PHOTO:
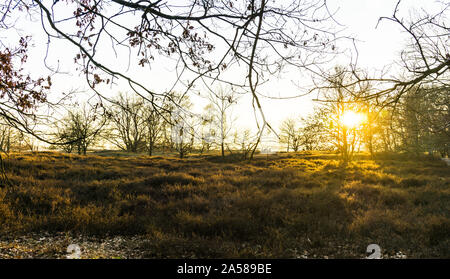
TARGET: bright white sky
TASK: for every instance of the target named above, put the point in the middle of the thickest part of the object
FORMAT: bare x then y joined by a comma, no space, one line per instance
377,47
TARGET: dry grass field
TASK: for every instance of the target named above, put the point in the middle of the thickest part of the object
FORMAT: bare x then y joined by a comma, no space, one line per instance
304,205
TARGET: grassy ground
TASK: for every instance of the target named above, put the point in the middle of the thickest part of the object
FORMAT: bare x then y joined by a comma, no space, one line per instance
284,206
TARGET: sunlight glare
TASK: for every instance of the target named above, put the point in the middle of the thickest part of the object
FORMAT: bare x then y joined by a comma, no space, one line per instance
351,119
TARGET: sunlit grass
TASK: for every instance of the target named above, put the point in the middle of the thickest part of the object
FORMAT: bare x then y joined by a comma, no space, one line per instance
271,207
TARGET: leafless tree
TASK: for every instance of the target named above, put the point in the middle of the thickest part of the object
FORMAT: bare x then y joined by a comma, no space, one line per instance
80,129
128,124
426,58
222,100
313,132
424,61
182,124
154,125
290,134
245,142
208,129
338,101
183,133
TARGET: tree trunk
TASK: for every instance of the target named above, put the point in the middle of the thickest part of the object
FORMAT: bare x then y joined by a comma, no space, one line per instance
254,148
223,149
344,145
371,147
150,148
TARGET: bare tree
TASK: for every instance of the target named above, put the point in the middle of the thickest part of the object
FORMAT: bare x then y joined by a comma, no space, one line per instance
126,115
182,124
208,129
182,131
154,126
424,61
222,100
341,102
80,129
313,132
245,141
290,134
426,58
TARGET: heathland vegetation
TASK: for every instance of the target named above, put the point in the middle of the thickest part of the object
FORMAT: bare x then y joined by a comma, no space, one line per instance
289,205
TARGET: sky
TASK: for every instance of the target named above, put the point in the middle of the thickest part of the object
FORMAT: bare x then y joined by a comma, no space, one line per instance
377,47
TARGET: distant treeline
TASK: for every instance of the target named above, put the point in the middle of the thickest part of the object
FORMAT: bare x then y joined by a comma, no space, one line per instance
418,122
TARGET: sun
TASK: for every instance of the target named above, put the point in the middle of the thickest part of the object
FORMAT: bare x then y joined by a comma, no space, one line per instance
351,119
